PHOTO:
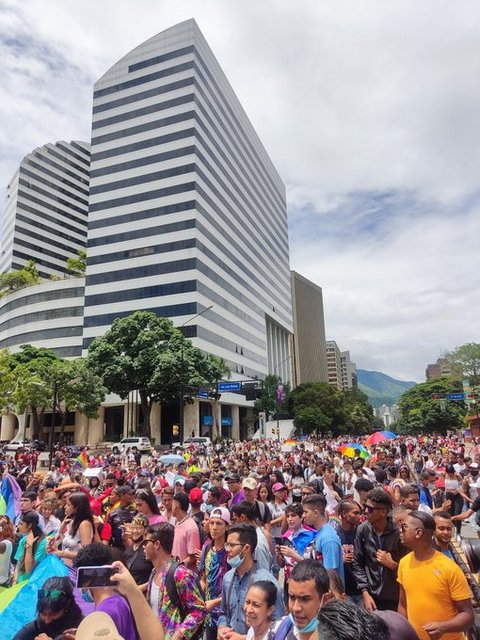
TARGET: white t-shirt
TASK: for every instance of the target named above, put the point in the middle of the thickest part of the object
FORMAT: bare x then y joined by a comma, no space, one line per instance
154,596
5,562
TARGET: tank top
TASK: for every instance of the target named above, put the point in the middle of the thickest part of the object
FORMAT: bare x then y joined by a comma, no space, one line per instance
5,562
451,484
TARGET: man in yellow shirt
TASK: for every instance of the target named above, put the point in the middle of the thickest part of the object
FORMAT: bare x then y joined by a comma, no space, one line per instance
434,594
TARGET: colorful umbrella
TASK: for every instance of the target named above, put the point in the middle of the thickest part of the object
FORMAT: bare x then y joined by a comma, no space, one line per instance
353,450
379,436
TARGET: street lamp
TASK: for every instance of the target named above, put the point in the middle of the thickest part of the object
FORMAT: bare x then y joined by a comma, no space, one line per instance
181,404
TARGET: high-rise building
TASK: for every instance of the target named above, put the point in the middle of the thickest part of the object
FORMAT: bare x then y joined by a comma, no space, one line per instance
349,371
186,208
309,346
46,209
443,368
334,365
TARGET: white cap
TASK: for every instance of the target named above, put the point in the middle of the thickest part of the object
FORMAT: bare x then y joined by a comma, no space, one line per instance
97,626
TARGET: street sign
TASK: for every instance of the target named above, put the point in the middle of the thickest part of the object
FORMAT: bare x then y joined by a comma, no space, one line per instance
455,396
202,394
229,386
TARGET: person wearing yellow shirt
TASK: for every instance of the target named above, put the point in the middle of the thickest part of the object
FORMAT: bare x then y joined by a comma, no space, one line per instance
434,593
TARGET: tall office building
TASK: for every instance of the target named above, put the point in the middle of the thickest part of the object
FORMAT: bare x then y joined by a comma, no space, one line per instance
309,346
46,209
349,371
186,208
334,365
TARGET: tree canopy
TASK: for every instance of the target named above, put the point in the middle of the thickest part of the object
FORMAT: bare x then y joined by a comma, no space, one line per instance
19,279
466,358
77,265
420,412
146,352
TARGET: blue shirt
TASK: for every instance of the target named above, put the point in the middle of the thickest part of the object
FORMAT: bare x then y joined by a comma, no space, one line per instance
329,549
233,598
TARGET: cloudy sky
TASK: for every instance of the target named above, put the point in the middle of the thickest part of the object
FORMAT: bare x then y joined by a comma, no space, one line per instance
370,111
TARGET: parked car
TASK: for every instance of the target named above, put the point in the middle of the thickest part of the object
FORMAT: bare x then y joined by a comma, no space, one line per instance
197,441
15,445
134,444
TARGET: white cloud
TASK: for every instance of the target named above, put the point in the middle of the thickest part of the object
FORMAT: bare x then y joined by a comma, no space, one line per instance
369,110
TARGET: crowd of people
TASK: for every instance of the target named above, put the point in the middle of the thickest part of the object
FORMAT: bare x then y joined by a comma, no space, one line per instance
257,540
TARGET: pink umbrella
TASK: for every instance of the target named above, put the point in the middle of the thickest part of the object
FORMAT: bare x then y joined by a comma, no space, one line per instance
379,436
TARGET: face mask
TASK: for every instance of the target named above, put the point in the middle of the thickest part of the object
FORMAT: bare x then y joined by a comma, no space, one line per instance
236,561
312,625
87,596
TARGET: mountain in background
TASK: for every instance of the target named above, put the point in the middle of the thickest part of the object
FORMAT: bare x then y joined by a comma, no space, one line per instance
380,388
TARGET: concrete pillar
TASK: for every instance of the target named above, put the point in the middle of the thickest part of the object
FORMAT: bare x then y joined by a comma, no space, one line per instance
21,435
9,423
235,422
81,428
155,418
217,420
127,419
191,420
96,430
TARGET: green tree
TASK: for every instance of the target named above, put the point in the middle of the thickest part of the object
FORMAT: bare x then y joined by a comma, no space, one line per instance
312,420
78,389
77,265
359,417
146,352
267,401
326,399
467,360
19,279
419,411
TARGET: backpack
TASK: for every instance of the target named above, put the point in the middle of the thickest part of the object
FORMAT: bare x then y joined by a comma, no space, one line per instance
172,591
201,531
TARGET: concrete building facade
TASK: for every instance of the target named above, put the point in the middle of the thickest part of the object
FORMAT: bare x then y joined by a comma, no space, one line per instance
46,209
308,341
349,371
334,365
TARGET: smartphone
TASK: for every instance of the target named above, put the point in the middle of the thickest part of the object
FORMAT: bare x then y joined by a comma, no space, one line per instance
283,542
94,577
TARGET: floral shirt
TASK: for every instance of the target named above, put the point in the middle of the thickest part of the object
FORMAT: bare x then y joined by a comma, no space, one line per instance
191,598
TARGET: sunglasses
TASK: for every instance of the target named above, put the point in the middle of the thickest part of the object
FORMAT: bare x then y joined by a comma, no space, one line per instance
53,594
368,509
146,541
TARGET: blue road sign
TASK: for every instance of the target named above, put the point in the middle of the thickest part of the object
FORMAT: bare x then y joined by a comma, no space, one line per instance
202,394
229,386
455,396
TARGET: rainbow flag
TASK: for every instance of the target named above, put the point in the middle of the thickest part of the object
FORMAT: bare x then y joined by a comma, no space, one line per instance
82,459
290,442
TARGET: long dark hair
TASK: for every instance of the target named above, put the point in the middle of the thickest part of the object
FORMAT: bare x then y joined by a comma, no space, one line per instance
33,519
147,496
83,511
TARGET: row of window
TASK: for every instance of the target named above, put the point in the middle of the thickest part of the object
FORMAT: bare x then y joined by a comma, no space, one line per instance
44,296
141,197
155,176
59,220
171,311
69,151
135,234
41,335
145,111
41,316
58,176
150,77
43,227
41,262
52,197
163,57
231,346
153,291
125,218
142,144
44,157
167,247
55,187
62,157
142,161
145,126
143,95
37,249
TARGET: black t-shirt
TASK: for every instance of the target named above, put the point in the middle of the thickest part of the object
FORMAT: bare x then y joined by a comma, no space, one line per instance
347,538
117,518
138,565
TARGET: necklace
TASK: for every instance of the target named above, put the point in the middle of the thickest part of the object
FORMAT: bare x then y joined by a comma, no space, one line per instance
181,521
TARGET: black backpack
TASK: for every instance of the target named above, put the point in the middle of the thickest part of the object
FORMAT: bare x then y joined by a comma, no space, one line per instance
172,591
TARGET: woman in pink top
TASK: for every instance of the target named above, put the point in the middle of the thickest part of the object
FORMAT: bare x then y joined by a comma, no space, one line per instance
146,503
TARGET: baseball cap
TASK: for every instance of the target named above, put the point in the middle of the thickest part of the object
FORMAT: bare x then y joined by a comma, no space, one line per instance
195,496
278,486
97,625
232,477
473,465
179,480
222,513
249,483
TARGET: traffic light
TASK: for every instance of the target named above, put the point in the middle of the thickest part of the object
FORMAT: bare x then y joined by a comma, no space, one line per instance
472,396
438,396
175,430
